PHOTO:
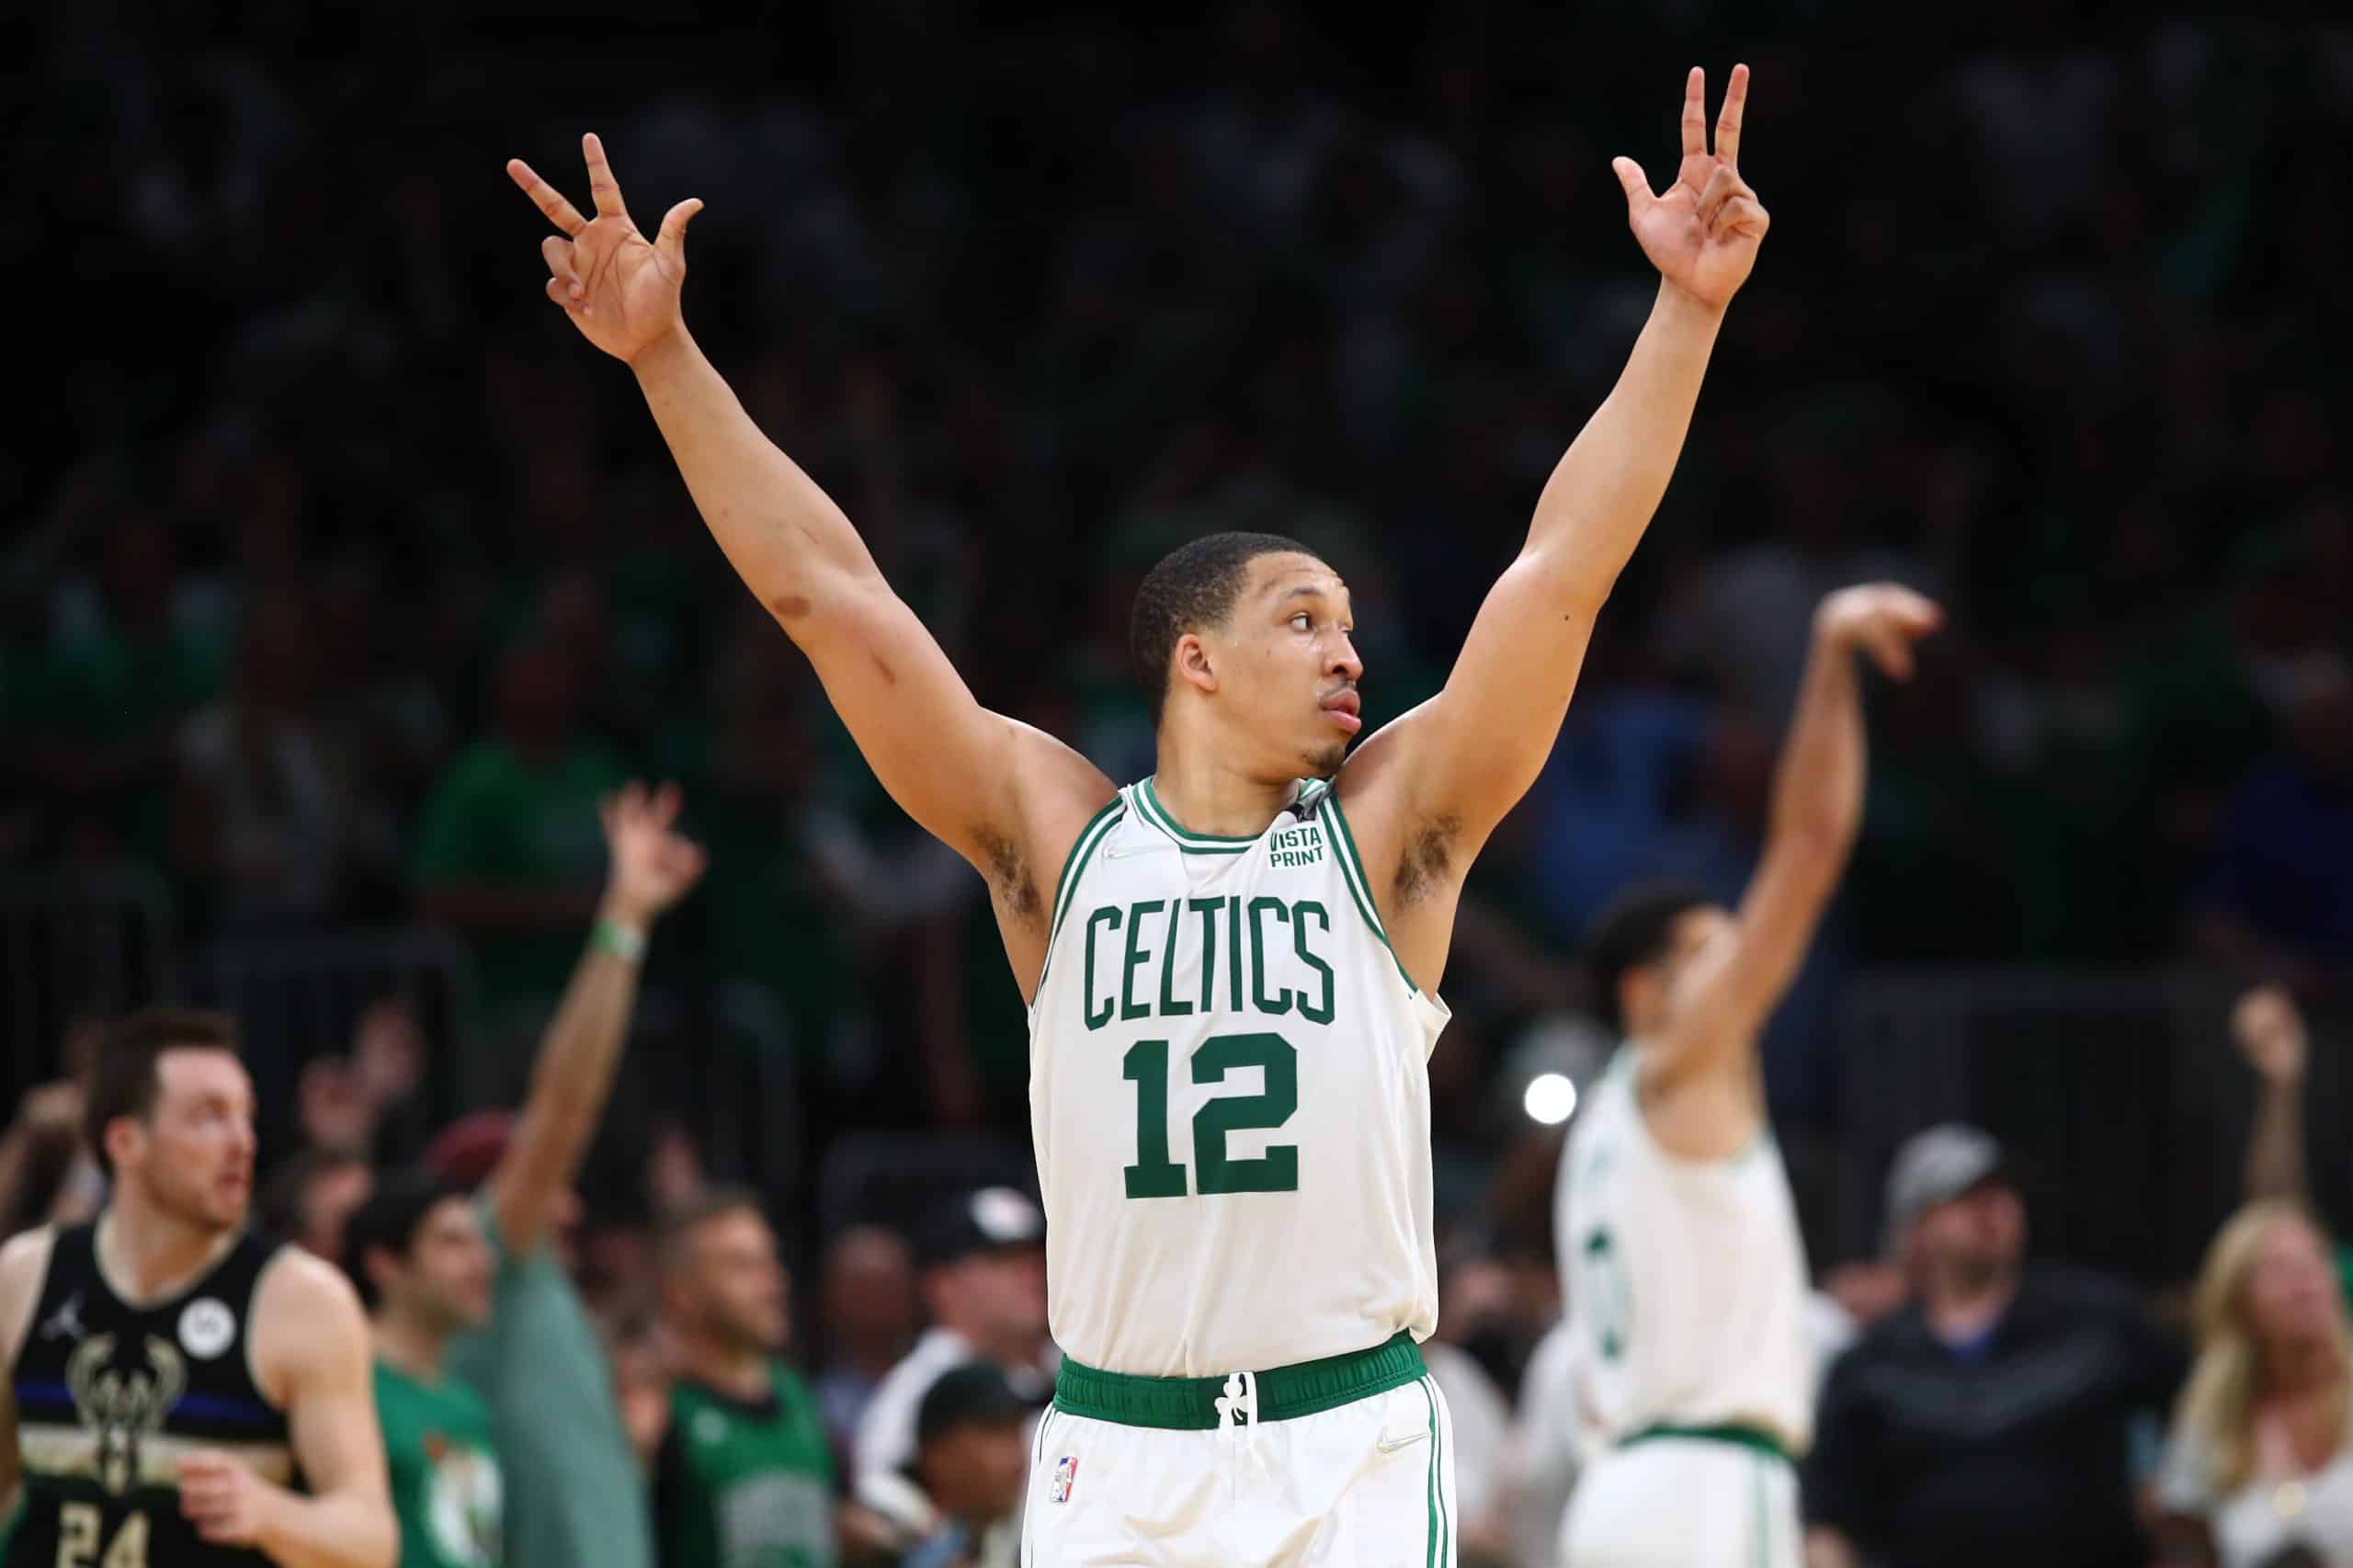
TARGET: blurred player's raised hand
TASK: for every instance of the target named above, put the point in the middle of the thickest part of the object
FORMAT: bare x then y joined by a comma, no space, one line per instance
620,290
2270,1033
1702,232
1881,619
653,864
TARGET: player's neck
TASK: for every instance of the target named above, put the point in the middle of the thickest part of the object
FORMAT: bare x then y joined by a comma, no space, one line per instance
1205,796
408,1347
148,1255
732,1369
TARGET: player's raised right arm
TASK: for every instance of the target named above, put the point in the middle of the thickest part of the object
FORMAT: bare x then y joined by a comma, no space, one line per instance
1731,987
954,766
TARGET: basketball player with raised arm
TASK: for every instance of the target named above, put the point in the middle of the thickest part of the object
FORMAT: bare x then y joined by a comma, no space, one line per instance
171,1373
1232,966
1682,1265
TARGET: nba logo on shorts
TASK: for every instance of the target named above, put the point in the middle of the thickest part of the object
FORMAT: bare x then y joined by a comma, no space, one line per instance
1065,1472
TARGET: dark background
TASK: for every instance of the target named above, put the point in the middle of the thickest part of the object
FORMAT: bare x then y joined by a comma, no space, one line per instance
341,577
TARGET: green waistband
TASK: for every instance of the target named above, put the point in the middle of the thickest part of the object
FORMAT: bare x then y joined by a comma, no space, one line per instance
1285,1393
1754,1438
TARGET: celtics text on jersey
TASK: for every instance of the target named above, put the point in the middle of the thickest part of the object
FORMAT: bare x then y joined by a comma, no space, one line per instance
1229,1097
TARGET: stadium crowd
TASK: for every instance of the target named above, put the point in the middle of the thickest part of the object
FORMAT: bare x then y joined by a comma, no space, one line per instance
345,589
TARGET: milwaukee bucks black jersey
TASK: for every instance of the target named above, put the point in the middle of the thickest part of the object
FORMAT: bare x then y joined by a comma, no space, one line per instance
109,1397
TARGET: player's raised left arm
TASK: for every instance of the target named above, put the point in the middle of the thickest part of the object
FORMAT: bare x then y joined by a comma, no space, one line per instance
1731,986
307,1317
1471,751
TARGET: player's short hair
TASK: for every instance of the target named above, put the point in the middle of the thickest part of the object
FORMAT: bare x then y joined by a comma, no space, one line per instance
389,1221
1193,586
123,1071
674,1234
1634,929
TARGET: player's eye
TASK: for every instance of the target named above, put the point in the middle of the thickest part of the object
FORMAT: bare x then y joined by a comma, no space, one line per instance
1302,621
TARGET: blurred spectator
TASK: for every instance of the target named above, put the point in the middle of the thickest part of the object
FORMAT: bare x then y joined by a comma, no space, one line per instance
984,1281
2261,1456
415,1252
575,1492
2268,1030
866,1291
744,1473
273,814
958,1500
312,1195
41,1155
507,846
1991,1418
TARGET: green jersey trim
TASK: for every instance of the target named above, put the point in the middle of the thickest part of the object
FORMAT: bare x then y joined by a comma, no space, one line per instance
1360,886
1155,813
1093,833
1285,1393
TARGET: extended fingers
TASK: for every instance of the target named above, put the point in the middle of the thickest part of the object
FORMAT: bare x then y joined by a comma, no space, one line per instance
546,197
1637,185
1695,114
605,190
1727,122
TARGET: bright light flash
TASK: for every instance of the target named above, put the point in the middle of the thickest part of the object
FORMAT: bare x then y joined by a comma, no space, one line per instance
1551,1099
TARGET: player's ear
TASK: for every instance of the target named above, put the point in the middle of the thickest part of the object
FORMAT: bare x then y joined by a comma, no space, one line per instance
1193,662
126,1139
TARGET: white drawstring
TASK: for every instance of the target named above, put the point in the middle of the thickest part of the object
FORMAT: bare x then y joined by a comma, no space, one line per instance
1237,1412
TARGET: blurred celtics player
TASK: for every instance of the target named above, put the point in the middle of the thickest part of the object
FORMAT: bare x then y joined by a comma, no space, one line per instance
1232,965
1681,1261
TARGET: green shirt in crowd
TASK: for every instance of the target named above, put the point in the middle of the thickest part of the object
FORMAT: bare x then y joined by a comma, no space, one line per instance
575,1497
745,1485
498,819
443,1465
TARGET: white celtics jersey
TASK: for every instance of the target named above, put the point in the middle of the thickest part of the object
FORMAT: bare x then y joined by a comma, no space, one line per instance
1685,1279
1229,1094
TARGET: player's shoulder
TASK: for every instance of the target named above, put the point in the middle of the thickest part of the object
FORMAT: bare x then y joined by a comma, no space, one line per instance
24,1264
295,1285
26,1254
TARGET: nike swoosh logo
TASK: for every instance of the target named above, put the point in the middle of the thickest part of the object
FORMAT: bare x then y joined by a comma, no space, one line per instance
1391,1445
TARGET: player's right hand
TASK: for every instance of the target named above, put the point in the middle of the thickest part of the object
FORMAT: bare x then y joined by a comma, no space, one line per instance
619,289
2269,1032
1882,620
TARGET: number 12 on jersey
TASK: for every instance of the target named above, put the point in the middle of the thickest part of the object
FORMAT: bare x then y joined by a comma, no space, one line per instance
1154,1174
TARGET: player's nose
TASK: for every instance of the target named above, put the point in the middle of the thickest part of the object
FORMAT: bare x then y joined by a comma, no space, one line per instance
1345,662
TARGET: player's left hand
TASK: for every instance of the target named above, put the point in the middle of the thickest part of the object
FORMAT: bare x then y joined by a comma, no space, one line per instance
228,1504
654,863
1702,232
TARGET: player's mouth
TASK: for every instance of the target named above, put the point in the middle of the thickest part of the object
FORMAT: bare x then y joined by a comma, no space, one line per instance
1346,709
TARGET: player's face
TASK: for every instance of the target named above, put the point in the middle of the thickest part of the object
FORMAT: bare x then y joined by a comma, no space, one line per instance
449,1266
1694,929
742,1286
194,1154
2292,1292
1286,668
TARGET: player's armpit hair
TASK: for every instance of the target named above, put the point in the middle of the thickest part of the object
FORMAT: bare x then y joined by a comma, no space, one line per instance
1421,864
1008,874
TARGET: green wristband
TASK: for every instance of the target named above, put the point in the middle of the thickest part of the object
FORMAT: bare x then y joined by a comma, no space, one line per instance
626,943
